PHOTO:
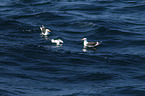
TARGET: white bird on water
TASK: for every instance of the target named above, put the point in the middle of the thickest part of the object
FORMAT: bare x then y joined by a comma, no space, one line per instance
57,41
90,44
45,31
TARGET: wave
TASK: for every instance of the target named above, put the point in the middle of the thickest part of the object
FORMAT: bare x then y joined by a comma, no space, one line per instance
130,90
38,15
82,7
87,77
130,9
41,3
6,92
138,7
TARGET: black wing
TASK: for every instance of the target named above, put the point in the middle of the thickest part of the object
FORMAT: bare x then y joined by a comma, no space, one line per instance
43,30
92,43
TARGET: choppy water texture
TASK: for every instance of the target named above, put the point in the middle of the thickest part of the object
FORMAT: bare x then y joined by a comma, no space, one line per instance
30,65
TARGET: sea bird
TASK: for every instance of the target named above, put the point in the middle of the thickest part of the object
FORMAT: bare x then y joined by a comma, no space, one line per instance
45,31
90,44
57,41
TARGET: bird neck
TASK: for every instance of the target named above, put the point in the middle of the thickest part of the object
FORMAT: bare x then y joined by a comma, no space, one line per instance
46,32
85,42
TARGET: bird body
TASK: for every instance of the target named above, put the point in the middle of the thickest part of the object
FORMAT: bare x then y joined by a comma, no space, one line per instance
57,41
90,44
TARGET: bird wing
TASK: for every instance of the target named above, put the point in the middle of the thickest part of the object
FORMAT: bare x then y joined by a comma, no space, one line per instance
43,30
92,44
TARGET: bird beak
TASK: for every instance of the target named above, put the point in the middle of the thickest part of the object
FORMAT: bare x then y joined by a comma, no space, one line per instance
82,39
49,31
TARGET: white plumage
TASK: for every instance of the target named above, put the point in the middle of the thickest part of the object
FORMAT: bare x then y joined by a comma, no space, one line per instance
57,41
44,30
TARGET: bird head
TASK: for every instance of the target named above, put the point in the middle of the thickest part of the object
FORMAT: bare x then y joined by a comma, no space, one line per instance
84,39
43,26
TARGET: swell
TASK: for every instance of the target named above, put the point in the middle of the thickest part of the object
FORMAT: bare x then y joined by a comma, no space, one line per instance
138,7
136,90
131,9
41,3
39,15
82,7
93,77
5,92
11,25
109,31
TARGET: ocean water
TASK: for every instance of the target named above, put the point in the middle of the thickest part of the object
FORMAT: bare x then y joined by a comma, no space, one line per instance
30,65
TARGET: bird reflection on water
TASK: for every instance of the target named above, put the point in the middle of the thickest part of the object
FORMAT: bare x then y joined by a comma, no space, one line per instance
89,49
45,37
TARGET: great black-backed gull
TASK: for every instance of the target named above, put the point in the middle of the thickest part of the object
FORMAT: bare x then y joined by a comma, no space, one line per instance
90,44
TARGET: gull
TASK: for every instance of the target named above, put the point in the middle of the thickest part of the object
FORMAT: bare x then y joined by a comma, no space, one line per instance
90,44
45,31
57,41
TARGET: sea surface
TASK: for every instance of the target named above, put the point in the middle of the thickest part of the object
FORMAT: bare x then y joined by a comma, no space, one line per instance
30,65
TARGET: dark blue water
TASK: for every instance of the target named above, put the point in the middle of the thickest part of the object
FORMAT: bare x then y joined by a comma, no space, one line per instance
30,65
